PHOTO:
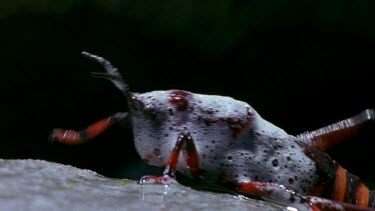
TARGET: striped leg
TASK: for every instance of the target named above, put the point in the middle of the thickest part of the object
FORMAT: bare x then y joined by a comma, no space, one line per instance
349,188
72,137
328,136
191,158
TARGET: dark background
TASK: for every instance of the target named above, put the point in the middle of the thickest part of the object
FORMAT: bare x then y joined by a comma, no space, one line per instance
300,65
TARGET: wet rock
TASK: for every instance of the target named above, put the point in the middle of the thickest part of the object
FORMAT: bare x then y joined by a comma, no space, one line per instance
42,185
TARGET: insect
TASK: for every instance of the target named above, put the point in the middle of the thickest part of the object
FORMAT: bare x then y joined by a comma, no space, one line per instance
226,142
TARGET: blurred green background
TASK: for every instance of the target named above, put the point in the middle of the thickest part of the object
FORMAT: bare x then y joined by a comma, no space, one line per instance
300,64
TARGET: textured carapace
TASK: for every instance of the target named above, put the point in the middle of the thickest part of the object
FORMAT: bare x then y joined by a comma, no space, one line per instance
233,141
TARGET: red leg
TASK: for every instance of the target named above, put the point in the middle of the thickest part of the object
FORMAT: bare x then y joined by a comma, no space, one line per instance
276,193
328,136
191,158
287,197
72,137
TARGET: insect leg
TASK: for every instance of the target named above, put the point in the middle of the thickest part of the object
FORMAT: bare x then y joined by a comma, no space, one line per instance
72,137
328,136
276,193
287,197
350,188
330,205
191,158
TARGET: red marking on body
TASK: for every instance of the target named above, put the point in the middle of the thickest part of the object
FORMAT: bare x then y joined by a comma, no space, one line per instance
207,120
236,125
179,99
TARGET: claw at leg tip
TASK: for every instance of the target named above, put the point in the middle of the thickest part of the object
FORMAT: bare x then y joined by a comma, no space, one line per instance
163,180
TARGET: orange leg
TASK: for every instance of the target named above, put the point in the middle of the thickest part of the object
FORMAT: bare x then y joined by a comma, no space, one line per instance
328,136
72,137
191,158
349,188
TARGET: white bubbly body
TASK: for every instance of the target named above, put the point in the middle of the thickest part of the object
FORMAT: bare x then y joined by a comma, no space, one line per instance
233,142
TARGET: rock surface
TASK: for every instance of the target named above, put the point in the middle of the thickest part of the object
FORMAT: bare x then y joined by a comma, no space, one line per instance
42,185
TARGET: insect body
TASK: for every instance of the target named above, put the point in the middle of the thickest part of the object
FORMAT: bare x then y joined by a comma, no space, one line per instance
226,142
232,141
